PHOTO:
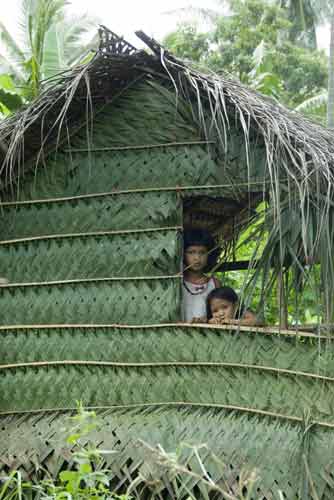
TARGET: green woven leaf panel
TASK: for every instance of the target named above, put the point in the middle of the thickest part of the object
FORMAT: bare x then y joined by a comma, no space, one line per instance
134,254
59,386
119,301
106,213
146,113
166,344
105,171
241,442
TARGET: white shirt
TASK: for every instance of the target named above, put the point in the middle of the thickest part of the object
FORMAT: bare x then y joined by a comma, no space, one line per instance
194,299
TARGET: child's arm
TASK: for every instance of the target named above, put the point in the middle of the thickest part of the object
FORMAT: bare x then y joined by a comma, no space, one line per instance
198,320
216,282
248,319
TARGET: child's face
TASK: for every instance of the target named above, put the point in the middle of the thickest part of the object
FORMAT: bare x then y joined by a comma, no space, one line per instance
196,257
222,308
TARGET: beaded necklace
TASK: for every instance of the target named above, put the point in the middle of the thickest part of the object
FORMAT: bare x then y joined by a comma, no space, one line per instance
201,288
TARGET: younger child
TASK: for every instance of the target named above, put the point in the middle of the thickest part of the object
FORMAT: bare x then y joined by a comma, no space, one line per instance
200,256
223,308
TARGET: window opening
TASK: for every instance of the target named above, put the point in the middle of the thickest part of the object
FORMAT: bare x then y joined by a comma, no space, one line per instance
233,223
219,220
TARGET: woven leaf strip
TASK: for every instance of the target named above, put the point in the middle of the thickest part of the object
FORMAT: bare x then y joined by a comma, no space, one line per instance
59,386
167,344
124,301
80,257
103,171
241,442
113,212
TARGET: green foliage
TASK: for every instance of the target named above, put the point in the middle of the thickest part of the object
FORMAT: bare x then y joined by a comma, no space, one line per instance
303,18
188,43
304,72
263,242
256,28
10,99
303,308
238,36
181,473
51,43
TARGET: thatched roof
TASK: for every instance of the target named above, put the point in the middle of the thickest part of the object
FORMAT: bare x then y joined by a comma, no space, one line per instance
290,139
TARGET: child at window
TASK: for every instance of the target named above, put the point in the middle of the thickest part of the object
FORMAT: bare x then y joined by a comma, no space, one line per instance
200,256
223,308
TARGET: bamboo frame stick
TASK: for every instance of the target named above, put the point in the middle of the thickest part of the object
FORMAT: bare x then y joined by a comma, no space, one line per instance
91,280
166,364
135,191
166,404
141,146
223,328
90,234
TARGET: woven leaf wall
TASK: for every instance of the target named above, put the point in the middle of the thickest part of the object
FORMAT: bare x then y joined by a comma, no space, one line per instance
99,213
107,301
242,442
274,447
167,344
147,253
81,172
143,115
59,385
94,239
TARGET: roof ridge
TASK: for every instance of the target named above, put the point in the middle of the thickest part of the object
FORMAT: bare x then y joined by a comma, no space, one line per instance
111,43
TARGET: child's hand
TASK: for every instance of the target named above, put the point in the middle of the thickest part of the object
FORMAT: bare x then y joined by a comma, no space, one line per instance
214,321
198,320
219,317
228,321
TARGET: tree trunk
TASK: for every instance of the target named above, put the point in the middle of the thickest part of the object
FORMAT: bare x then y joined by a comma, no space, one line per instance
330,105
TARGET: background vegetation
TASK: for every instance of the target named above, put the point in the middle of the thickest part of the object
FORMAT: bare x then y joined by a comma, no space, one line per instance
267,44
51,41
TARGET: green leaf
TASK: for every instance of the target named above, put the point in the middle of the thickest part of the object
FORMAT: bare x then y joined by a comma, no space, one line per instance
10,99
85,468
259,54
6,82
15,54
53,56
67,475
73,438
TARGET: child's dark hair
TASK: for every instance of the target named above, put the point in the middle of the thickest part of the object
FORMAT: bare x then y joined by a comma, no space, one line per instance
224,293
192,237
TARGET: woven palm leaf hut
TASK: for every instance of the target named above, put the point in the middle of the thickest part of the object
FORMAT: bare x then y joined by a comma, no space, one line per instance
99,176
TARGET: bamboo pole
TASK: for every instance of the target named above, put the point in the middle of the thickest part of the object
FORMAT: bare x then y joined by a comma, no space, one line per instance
282,301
